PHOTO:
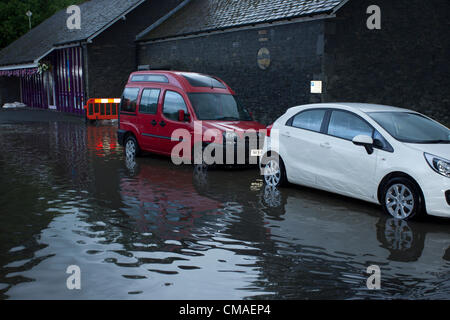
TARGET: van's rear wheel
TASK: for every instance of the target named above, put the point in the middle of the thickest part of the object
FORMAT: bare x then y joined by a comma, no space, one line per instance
132,149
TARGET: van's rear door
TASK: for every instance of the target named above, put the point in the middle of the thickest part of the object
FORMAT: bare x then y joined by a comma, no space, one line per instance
148,114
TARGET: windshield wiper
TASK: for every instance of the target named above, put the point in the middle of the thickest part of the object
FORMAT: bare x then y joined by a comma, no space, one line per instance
438,141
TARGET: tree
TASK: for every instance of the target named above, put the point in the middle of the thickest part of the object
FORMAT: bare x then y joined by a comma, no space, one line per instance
14,22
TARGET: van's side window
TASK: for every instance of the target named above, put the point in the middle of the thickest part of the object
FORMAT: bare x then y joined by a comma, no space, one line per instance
173,102
129,100
149,101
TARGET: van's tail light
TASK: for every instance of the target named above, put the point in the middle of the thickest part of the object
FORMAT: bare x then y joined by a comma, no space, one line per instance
269,129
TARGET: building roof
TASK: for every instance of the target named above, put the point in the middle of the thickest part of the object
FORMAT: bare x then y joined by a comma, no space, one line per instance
96,16
200,16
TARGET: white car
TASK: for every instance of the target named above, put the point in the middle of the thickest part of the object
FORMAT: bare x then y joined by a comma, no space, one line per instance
381,154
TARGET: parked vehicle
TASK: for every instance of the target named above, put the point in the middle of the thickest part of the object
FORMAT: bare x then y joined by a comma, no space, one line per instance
395,157
156,103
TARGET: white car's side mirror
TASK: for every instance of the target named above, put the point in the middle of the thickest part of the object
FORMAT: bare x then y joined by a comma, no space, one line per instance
362,140
365,141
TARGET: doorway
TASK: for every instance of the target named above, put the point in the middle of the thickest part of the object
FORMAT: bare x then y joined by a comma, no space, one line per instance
49,85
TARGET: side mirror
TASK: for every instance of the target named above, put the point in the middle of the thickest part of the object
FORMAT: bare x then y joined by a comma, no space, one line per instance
181,116
364,141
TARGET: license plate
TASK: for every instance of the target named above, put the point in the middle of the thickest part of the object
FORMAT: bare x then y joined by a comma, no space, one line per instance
256,152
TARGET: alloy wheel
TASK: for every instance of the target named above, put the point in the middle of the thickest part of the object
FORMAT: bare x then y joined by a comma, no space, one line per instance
130,149
399,201
272,173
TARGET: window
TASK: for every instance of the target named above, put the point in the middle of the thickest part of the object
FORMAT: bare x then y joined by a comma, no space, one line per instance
129,99
412,127
309,120
217,106
379,142
150,78
173,102
198,80
346,125
149,101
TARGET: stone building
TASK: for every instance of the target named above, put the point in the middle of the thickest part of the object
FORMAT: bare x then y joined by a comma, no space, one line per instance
269,51
93,61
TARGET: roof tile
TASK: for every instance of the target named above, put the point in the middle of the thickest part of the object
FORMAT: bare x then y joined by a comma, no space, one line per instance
206,15
95,15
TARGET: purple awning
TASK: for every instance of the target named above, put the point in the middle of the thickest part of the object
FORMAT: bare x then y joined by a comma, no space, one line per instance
19,72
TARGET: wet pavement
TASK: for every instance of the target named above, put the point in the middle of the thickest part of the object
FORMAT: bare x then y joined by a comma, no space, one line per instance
147,229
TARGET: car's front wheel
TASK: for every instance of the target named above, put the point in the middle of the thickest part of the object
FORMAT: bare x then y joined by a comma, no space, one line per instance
402,199
131,147
274,172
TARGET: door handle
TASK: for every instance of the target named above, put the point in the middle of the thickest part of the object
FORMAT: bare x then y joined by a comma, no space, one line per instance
326,145
154,123
286,134
162,124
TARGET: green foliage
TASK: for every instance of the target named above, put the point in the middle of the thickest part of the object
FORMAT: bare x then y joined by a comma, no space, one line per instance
14,22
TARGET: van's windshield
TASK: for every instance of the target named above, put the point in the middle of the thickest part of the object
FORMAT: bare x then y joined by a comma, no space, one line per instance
218,106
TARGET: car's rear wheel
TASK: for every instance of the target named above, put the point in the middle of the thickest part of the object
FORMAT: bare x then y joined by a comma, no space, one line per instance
402,199
274,172
132,149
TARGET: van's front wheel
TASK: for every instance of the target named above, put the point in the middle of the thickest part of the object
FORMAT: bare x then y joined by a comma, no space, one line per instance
132,149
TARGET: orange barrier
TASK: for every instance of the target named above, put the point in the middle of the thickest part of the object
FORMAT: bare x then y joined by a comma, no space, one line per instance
102,109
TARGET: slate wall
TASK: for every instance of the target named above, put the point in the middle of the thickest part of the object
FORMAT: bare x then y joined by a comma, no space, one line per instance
295,50
404,64
111,57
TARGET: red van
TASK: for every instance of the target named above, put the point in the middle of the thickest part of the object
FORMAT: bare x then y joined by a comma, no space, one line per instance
156,103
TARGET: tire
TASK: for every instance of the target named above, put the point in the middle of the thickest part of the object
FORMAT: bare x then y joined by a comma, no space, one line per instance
197,157
131,147
274,172
402,199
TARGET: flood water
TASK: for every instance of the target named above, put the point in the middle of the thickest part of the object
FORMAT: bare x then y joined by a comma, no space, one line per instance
147,229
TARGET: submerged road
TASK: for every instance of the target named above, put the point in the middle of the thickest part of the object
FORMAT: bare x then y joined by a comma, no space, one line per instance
147,229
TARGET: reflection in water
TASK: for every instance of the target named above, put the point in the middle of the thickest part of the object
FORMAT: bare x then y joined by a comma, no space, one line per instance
150,230
401,239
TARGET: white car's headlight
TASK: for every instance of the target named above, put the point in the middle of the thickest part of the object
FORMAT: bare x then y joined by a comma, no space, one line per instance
438,164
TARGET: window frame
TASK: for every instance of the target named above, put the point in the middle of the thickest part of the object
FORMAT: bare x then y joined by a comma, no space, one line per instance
387,148
127,112
164,101
163,78
190,78
289,123
157,103
326,122
351,113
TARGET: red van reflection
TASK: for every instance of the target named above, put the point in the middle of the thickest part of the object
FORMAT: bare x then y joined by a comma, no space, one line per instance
163,199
